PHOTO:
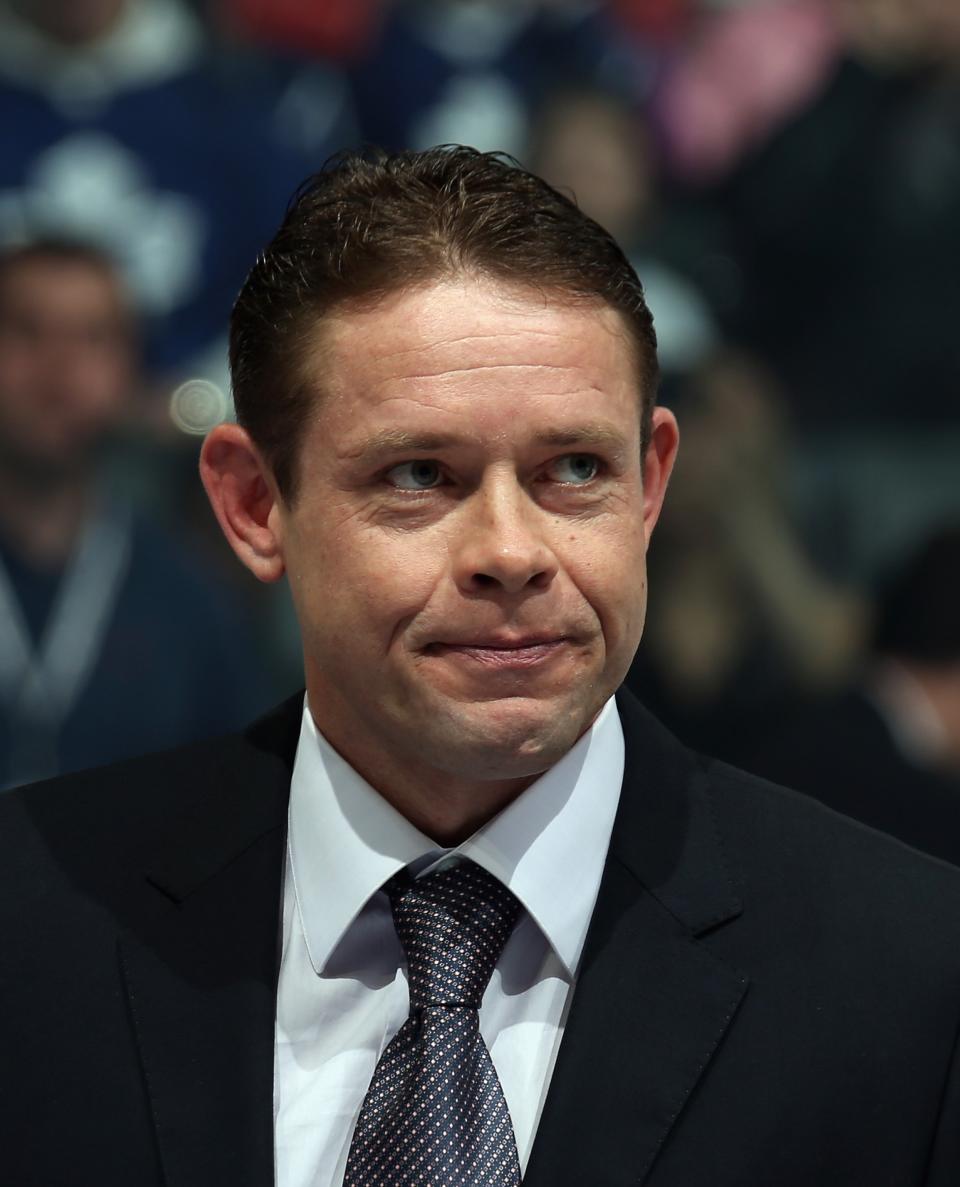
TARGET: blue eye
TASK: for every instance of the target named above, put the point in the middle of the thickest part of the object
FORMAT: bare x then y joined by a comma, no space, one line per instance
575,468
419,475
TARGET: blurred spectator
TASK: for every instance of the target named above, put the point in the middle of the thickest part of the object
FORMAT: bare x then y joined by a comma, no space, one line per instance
743,71
100,614
125,127
887,751
657,21
742,622
471,71
846,228
335,29
594,145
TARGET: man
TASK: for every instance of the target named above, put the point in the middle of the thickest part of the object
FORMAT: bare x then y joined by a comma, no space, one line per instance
96,605
461,916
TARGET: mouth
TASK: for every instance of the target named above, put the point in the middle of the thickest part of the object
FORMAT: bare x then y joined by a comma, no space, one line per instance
502,652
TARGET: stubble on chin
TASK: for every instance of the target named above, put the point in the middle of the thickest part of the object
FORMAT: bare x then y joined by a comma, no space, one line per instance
511,738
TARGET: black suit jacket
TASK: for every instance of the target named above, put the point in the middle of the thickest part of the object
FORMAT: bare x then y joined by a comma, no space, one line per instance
769,994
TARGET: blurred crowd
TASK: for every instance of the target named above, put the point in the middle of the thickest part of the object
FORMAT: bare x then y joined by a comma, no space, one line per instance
785,175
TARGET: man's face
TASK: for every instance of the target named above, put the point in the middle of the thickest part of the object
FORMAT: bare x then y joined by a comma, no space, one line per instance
65,363
466,548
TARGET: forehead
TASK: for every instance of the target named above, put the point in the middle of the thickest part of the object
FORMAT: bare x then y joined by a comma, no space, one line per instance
470,335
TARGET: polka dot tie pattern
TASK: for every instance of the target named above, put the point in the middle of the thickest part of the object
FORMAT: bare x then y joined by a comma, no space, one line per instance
435,1112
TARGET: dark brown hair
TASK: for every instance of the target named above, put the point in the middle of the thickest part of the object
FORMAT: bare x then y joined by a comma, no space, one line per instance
370,224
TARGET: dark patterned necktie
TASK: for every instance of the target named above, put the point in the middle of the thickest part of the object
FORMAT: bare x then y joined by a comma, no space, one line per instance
435,1112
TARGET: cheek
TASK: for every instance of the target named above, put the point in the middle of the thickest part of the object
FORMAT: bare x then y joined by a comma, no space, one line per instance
360,577
609,570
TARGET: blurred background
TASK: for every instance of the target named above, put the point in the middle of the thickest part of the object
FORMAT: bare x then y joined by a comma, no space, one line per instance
785,175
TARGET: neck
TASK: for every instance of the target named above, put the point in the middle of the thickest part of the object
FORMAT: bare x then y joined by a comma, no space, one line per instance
448,807
43,522
452,816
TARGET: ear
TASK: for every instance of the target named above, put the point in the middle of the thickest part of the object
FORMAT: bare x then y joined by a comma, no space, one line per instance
658,464
245,500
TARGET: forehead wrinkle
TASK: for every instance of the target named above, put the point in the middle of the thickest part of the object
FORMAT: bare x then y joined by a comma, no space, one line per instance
430,326
475,367
469,385
427,346
433,337
358,337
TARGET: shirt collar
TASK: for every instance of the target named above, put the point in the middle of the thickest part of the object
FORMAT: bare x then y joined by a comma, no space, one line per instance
345,840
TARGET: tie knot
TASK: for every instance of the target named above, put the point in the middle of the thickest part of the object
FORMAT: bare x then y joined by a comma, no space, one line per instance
453,925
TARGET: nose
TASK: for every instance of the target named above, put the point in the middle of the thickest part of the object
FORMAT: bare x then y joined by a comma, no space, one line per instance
503,544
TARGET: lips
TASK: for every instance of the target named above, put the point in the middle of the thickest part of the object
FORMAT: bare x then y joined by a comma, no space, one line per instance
502,642
502,651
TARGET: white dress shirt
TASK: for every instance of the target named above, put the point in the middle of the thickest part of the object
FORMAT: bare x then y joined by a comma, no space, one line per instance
342,992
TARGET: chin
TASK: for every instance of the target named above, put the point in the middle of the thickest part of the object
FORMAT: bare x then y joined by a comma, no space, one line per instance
512,738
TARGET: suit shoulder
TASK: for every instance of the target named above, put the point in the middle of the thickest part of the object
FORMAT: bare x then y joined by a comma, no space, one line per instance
101,822
121,787
784,839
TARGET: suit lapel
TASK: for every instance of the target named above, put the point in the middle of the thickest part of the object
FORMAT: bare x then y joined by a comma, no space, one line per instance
651,1004
200,969
650,1009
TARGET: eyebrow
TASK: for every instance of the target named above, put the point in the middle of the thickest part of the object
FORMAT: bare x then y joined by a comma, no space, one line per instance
586,434
389,442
